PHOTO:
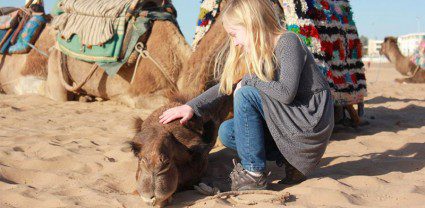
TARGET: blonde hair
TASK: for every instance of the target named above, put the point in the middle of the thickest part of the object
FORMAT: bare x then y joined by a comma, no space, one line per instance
262,24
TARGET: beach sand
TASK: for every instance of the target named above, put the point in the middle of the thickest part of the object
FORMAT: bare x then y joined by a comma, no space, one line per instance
75,155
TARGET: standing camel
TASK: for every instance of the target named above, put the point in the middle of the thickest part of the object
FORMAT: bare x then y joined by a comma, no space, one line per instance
403,64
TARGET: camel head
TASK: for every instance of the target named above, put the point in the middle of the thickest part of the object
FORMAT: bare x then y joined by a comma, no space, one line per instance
169,156
388,45
157,174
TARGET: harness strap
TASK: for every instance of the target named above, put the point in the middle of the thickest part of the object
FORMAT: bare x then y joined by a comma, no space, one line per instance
64,67
416,71
138,170
143,53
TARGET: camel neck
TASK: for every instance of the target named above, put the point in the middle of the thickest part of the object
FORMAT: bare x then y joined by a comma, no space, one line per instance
395,55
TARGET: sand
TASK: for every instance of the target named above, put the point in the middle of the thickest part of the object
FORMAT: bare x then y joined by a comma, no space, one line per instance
75,155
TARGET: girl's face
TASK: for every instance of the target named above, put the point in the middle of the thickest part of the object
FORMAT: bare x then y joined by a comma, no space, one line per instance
238,34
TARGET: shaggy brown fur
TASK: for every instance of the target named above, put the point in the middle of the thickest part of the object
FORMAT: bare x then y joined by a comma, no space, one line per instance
198,72
171,156
36,63
402,64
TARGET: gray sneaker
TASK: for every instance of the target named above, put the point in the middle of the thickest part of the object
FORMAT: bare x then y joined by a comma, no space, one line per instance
242,180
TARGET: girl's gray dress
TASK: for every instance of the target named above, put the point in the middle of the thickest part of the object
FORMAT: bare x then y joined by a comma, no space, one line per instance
297,104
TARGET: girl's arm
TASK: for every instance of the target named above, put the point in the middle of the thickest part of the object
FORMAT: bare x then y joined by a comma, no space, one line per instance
292,56
208,102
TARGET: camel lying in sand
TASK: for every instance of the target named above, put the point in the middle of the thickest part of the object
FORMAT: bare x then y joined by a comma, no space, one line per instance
171,156
165,43
402,63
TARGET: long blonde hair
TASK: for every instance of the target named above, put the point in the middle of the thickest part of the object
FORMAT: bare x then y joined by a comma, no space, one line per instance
262,24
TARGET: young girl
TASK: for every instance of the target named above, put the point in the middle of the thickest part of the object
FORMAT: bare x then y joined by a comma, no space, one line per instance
282,103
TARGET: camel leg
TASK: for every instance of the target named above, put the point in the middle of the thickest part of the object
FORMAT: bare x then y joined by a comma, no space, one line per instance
353,115
360,109
404,80
410,80
55,89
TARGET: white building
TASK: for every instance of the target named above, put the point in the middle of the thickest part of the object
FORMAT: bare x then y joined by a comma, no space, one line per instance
409,43
373,47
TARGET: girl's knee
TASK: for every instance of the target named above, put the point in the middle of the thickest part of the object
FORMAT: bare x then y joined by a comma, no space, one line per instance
246,95
225,132
245,92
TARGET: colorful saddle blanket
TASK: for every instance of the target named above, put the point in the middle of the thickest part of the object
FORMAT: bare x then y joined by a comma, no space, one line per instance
100,31
18,36
418,57
328,29
91,30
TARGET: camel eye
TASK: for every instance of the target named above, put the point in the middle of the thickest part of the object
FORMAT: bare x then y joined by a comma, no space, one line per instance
164,167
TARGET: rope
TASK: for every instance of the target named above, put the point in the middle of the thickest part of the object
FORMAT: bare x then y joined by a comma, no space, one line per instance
36,49
143,53
138,170
74,86
415,72
279,197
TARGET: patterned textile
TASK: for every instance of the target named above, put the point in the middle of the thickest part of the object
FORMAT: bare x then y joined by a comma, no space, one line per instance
5,46
96,31
21,27
29,34
91,30
93,21
209,9
328,29
140,26
418,57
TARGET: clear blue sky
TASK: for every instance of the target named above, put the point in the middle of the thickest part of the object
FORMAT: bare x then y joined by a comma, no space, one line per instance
374,18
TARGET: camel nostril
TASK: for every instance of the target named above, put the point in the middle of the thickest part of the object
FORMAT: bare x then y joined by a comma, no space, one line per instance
153,201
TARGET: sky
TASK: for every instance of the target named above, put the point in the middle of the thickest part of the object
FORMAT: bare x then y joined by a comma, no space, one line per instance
375,19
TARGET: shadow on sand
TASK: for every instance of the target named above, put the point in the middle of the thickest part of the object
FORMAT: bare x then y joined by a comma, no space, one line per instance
382,119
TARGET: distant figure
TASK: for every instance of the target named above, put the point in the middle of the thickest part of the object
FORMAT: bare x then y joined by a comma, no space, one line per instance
408,66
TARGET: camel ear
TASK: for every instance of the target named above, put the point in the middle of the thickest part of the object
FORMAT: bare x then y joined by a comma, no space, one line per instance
137,125
136,147
177,148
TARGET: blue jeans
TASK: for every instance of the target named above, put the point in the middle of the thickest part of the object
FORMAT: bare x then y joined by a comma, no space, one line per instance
247,132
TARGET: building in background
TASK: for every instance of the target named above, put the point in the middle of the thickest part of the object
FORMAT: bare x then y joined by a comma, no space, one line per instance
373,47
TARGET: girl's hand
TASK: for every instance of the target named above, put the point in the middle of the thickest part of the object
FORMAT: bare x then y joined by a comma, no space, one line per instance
184,111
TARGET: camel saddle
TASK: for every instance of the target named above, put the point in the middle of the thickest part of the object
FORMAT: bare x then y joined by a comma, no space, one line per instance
418,57
103,31
21,27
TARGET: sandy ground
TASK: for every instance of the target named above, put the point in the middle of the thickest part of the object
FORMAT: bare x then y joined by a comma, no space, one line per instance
75,155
